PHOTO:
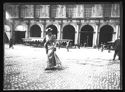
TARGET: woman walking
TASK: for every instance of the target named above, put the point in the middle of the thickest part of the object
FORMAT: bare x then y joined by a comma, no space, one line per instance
53,61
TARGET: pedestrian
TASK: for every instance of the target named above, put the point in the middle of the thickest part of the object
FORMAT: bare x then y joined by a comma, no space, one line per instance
78,46
109,48
102,46
98,46
11,43
67,45
87,41
53,61
117,49
59,45
85,44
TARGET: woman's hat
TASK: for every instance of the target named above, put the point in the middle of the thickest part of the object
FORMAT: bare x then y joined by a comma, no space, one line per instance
48,30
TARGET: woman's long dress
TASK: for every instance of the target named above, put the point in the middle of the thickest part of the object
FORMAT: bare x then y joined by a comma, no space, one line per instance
53,60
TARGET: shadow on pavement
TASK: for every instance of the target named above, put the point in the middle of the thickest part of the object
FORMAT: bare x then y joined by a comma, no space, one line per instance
114,62
55,69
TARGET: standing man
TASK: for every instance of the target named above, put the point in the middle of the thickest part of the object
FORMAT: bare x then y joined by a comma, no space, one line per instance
117,48
67,45
60,44
102,46
87,42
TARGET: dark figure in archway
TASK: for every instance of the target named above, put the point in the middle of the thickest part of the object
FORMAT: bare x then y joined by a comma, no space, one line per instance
67,45
87,41
117,49
69,33
11,43
86,35
102,46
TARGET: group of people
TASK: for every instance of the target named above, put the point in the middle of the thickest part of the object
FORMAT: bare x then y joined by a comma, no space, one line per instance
53,61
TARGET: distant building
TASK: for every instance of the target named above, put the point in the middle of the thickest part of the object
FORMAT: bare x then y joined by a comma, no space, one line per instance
92,23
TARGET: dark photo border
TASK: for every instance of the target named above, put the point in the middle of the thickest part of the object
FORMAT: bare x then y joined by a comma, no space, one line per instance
122,66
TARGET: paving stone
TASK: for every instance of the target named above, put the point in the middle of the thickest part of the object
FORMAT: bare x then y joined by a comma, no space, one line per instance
24,69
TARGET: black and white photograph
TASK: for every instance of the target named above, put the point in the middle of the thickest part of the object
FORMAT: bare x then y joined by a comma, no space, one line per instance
62,46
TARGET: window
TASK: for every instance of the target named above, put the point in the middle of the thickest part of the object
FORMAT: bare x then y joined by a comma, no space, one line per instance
23,11
53,11
27,11
37,11
107,10
87,10
61,12
80,11
115,11
12,10
70,11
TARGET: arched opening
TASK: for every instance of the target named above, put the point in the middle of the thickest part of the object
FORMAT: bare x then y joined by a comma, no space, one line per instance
86,36
69,33
6,40
54,29
19,34
35,31
105,34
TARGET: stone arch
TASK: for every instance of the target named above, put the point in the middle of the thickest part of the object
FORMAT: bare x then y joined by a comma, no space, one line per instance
37,23
35,30
86,35
107,24
19,32
93,25
74,25
69,33
21,27
106,33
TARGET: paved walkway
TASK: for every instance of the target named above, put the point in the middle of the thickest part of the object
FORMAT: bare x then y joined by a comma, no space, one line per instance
84,68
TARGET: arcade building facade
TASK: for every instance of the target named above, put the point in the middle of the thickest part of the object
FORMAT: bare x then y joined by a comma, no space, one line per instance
92,23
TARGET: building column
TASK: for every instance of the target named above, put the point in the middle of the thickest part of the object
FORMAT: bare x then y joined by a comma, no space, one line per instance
114,35
44,28
41,26
79,25
28,30
119,30
116,30
59,32
118,34
26,33
12,32
61,29
95,34
76,35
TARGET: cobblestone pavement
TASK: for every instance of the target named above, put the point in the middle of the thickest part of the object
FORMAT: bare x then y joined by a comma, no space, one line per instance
84,68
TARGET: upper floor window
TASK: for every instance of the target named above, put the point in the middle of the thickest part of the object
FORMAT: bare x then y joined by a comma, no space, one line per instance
87,10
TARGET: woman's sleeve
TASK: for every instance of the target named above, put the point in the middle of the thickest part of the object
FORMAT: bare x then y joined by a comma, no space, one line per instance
44,40
55,41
